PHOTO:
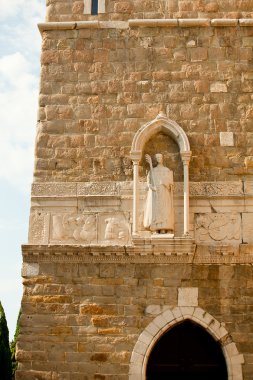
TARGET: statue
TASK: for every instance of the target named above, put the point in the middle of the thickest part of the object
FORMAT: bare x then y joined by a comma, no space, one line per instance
159,211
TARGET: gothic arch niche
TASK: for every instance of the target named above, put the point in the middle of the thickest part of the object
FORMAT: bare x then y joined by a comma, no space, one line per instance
186,351
167,146
161,124
170,318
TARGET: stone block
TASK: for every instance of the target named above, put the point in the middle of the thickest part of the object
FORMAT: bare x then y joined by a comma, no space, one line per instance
188,297
226,138
218,87
247,227
247,41
30,269
198,54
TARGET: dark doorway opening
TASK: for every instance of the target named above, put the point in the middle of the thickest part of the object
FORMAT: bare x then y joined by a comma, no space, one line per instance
187,352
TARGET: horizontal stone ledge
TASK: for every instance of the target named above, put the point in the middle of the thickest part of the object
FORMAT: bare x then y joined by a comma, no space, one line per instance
153,23
134,254
224,22
246,22
199,22
148,23
70,25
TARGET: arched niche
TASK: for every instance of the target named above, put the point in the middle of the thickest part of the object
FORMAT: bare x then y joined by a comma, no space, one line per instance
160,124
171,318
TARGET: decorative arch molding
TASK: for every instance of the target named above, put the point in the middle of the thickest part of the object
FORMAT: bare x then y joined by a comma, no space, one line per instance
169,319
160,124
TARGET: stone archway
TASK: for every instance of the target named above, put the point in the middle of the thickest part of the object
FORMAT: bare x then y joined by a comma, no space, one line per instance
170,318
160,124
186,351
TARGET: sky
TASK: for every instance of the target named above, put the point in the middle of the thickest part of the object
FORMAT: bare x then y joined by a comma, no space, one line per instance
20,44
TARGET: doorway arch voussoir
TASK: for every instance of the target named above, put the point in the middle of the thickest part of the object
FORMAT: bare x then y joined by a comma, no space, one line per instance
170,318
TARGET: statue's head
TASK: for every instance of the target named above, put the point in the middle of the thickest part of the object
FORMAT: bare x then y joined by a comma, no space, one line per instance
159,158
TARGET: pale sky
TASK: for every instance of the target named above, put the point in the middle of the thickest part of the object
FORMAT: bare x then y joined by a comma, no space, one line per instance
19,79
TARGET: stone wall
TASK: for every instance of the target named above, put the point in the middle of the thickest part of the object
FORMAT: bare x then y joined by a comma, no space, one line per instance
99,86
82,320
67,10
91,285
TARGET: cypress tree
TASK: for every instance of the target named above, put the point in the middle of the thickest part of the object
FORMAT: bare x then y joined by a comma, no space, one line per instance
13,346
5,353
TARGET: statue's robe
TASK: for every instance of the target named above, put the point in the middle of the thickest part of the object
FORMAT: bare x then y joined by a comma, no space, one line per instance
159,210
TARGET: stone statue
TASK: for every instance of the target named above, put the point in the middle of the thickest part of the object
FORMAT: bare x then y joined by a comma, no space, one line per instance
159,211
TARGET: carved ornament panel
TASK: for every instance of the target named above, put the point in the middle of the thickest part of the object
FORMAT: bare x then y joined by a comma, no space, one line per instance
98,228
218,227
39,227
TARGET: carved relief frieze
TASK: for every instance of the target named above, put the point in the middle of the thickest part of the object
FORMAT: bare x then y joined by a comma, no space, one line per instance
74,228
127,167
247,227
222,250
54,189
117,230
114,228
208,189
97,188
248,187
203,189
96,228
217,227
39,227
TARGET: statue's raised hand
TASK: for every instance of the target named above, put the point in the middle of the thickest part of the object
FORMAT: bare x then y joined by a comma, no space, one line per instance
149,160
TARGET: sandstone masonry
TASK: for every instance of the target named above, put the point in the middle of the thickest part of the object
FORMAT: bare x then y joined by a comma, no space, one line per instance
98,295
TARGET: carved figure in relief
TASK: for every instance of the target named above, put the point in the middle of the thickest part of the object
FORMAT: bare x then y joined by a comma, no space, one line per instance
116,229
79,228
159,210
218,227
88,230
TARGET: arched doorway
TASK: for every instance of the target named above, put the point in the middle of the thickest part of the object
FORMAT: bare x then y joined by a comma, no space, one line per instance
186,351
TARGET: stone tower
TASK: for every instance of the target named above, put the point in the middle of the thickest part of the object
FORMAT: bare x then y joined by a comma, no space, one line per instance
110,293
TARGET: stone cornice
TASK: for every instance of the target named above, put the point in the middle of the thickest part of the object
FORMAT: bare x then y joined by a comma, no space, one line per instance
141,253
151,23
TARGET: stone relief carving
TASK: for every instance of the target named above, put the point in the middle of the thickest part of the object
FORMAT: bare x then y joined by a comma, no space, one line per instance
97,188
73,227
217,227
222,250
209,189
116,230
118,188
54,189
159,210
39,227
97,228
127,167
218,188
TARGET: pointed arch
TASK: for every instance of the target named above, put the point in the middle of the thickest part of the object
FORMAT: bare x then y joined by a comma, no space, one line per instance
170,318
160,124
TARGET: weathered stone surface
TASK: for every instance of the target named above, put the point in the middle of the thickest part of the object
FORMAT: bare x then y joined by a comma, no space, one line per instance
94,97
90,291
65,10
188,297
95,332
